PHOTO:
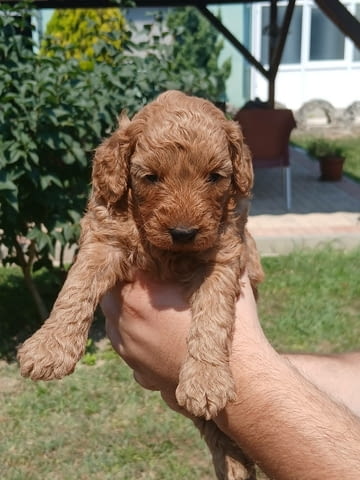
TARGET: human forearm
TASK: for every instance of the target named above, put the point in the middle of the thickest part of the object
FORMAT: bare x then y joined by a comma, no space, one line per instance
287,425
292,429
337,375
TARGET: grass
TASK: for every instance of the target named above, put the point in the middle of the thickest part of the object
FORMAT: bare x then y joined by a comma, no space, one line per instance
310,301
351,146
18,315
95,424
98,424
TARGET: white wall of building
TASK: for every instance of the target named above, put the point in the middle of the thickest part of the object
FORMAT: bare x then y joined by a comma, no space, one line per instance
334,78
340,87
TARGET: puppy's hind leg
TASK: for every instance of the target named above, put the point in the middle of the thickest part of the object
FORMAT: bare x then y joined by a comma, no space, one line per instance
53,351
229,461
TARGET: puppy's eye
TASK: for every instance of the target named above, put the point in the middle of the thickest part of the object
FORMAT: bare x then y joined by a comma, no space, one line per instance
152,178
214,177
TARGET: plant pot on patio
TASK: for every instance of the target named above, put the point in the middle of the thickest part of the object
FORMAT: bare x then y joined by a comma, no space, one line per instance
331,167
331,158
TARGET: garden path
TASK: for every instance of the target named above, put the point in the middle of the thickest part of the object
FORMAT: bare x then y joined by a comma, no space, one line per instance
322,212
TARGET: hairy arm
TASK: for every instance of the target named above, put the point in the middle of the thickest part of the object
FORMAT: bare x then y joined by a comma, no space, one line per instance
291,428
289,422
338,375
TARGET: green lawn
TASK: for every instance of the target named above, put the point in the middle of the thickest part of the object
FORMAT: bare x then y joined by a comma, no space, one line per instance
98,424
310,301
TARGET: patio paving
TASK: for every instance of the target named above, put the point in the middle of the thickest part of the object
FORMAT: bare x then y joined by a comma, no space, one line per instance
322,212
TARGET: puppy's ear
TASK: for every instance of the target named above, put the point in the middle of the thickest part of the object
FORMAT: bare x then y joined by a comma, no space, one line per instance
243,175
111,165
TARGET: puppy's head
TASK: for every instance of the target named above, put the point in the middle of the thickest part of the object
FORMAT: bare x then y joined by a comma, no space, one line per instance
182,161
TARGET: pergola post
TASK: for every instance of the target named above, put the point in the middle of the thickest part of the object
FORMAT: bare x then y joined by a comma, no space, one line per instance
277,39
273,36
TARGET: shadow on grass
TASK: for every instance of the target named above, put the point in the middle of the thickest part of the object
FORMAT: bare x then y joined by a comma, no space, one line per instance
18,315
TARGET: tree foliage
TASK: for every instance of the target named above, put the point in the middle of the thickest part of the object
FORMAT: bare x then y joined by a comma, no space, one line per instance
45,141
197,45
79,30
53,114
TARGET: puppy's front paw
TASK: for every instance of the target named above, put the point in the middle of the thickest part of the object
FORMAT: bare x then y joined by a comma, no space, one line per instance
204,389
43,357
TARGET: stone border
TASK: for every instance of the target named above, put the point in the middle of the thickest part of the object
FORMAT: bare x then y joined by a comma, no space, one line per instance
335,118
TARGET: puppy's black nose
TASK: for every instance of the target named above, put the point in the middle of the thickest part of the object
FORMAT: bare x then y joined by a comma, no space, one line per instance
183,234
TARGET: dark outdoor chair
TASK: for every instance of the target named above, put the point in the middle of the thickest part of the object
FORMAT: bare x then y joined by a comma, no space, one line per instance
267,133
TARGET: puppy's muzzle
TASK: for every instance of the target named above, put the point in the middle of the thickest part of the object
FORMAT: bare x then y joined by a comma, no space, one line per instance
183,234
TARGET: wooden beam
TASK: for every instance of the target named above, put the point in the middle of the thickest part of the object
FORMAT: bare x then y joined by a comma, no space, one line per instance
109,3
273,36
232,39
273,28
281,38
342,18
277,40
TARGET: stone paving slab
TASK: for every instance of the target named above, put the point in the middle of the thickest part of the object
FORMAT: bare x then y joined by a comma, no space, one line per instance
322,212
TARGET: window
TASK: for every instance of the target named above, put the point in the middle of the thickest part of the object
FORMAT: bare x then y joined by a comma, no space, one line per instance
356,50
326,41
292,50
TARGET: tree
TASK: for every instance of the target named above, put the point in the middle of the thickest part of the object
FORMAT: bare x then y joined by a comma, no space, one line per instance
50,120
79,31
197,46
53,114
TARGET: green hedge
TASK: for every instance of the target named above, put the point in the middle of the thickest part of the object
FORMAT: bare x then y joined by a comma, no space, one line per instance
53,114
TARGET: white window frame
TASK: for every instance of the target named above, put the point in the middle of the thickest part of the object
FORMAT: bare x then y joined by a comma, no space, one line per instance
305,62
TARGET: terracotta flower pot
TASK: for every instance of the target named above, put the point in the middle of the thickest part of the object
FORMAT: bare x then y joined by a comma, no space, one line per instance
331,168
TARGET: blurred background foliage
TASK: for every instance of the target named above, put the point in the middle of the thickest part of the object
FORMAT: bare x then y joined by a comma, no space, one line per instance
60,98
79,30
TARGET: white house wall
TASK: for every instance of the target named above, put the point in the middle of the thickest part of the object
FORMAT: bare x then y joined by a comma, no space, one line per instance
336,81
339,86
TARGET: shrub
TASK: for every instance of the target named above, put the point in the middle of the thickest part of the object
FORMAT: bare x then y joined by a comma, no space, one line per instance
53,114
324,147
79,30
51,118
196,45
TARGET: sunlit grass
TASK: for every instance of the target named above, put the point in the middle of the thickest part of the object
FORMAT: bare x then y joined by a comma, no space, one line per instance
99,424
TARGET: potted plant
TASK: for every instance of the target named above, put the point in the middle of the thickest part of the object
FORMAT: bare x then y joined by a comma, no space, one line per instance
331,156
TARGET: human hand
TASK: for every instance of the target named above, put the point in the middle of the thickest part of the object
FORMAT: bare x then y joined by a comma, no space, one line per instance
276,407
148,321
